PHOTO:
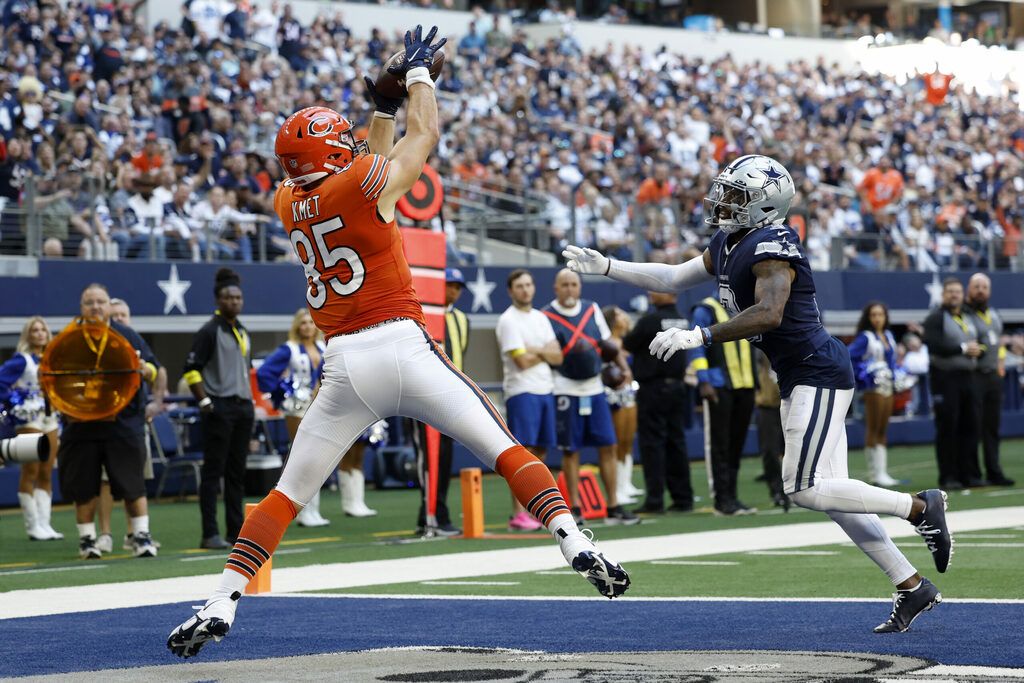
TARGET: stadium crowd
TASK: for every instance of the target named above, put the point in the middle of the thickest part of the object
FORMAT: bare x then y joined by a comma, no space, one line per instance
157,143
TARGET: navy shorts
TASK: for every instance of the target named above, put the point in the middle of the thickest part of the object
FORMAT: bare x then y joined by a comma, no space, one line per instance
531,419
578,426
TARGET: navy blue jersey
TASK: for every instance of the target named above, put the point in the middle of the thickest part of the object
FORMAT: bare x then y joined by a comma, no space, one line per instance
800,350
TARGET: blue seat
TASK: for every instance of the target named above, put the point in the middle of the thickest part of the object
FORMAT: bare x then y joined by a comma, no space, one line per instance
165,431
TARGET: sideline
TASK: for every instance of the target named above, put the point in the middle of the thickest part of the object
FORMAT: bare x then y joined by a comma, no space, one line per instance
64,600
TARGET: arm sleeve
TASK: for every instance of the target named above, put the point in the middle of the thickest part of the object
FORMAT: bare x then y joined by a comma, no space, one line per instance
936,341
661,277
269,374
10,372
203,346
698,357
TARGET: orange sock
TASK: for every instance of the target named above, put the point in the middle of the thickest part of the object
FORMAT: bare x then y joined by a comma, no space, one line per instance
260,534
531,483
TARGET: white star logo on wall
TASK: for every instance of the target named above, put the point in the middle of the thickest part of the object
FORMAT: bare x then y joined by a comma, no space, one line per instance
934,289
481,289
174,291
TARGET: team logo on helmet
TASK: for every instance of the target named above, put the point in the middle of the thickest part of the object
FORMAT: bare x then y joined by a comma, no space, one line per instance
320,127
293,163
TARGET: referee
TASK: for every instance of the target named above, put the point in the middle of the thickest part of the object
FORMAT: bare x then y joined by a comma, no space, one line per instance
217,372
661,409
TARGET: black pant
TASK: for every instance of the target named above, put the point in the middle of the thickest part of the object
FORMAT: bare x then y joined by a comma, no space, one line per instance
956,431
444,474
989,386
730,420
226,432
661,414
772,444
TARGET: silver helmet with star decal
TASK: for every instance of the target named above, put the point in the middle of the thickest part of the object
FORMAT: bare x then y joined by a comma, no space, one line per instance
751,192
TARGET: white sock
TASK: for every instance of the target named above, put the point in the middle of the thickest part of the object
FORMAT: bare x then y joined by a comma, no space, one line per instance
140,524
230,582
870,536
851,495
88,529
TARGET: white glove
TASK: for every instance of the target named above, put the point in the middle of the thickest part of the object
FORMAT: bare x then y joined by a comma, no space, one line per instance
667,342
586,261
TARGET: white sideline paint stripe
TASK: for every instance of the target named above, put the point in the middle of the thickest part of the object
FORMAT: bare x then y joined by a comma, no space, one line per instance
793,552
580,598
556,572
971,537
341,575
696,563
470,583
1007,492
53,569
964,671
971,544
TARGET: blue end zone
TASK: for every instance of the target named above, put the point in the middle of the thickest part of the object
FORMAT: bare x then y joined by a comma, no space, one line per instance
970,634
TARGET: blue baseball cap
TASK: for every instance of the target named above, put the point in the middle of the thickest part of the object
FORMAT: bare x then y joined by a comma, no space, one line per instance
454,275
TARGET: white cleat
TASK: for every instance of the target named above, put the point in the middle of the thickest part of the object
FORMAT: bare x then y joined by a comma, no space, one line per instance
212,622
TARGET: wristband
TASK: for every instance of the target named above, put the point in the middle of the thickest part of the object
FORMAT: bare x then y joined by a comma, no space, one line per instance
419,74
383,115
706,333
205,401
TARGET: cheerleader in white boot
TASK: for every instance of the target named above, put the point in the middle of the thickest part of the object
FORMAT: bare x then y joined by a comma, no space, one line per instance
26,407
291,375
351,480
873,354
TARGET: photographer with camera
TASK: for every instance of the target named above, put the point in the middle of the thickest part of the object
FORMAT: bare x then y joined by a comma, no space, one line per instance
116,444
26,407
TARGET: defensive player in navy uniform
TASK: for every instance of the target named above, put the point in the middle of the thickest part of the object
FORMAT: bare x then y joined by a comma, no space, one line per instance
765,283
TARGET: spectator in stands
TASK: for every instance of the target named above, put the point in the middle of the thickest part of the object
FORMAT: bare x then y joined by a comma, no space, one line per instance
179,227
223,229
952,340
661,409
144,217
583,418
29,412
725,376
57,216
217,372
880,187
529,351
150,158
988,375
873,354
88,447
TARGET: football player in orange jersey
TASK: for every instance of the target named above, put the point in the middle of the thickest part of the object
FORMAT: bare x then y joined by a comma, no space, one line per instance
338,205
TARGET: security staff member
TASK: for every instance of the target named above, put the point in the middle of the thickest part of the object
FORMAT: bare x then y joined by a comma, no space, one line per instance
661,409
456,343
988,375
217,372
952,339
726,376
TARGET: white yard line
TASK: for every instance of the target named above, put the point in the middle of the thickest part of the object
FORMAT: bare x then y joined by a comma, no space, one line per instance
470,583
574,598
793,552
27,603
696,563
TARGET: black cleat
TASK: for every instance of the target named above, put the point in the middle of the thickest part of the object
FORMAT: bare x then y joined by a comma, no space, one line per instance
609,578
620,515
933,529
908,605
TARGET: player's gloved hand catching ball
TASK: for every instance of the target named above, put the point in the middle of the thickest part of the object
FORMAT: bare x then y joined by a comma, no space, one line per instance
418,51
586,261
667,342
388,106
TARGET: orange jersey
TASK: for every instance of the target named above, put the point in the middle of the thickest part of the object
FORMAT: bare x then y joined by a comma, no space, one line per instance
355,268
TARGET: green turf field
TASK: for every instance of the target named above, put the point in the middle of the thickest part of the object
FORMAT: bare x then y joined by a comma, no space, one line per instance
983,568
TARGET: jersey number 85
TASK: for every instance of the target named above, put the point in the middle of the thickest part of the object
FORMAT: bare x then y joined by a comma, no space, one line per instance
316,294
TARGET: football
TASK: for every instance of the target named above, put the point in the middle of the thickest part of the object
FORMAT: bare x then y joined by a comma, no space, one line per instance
612,376
390,85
